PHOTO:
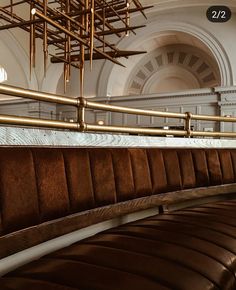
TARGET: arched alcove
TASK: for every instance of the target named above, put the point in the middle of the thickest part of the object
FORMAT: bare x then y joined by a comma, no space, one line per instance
184,66
170,79
113,79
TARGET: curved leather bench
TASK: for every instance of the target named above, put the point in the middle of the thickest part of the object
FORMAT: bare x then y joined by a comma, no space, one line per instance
187,249
46,193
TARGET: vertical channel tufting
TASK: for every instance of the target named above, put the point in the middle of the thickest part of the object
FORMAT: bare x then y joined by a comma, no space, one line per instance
102,176
141,172
226,166
172,168
51,182
233,158
18,191
214,167
157,170
79,179
201,168
123,174
187,168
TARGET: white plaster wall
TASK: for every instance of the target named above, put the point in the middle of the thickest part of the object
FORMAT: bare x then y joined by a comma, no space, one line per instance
90,83
14,58
15,73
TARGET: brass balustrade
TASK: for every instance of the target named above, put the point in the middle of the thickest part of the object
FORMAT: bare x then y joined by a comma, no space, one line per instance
81,104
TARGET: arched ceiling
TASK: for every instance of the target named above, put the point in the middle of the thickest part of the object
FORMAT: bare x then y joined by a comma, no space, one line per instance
188,63
175,37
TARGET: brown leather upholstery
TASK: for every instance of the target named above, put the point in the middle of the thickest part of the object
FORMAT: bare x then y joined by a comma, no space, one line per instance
38,186
48,192
187,249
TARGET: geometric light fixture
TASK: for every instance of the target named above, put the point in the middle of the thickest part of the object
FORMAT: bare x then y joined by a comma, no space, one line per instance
74,31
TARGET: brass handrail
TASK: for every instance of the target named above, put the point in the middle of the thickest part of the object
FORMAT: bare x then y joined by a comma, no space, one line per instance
35,95
134,130
120,109
81,104
35,122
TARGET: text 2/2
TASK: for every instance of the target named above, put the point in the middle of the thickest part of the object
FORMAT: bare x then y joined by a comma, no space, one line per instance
218,13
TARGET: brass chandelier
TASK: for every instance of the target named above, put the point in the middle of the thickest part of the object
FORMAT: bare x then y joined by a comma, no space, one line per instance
79,30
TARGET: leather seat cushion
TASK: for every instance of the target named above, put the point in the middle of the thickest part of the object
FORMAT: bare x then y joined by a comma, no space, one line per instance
193,248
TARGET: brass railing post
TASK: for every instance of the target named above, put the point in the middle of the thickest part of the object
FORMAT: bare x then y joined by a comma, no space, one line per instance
188,124
81,114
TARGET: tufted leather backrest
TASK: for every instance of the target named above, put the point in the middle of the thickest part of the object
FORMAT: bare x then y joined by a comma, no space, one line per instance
41,184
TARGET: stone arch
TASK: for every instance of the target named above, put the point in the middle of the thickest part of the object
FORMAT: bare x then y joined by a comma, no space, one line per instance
109,84
176,61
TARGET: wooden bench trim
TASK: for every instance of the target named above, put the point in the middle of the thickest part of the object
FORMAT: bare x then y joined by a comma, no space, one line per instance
31,236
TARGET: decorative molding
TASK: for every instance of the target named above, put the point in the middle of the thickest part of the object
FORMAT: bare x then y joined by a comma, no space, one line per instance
227,103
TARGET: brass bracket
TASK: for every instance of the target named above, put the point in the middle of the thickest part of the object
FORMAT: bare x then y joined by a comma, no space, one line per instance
188,124
81,113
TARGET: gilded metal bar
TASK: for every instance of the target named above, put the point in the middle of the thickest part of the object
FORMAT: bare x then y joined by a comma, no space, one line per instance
27,121
139,5
103,27
82,57
31,45
72,34
107,24
86,17
71,19
133,130
92,28
213,118
123,12
127,17
116,13
11,8
65,72
45,38
213,134
120,109
115,54
29,94
61,59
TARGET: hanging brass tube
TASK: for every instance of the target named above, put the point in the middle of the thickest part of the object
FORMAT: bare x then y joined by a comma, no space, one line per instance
45,38
91,33
72,34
